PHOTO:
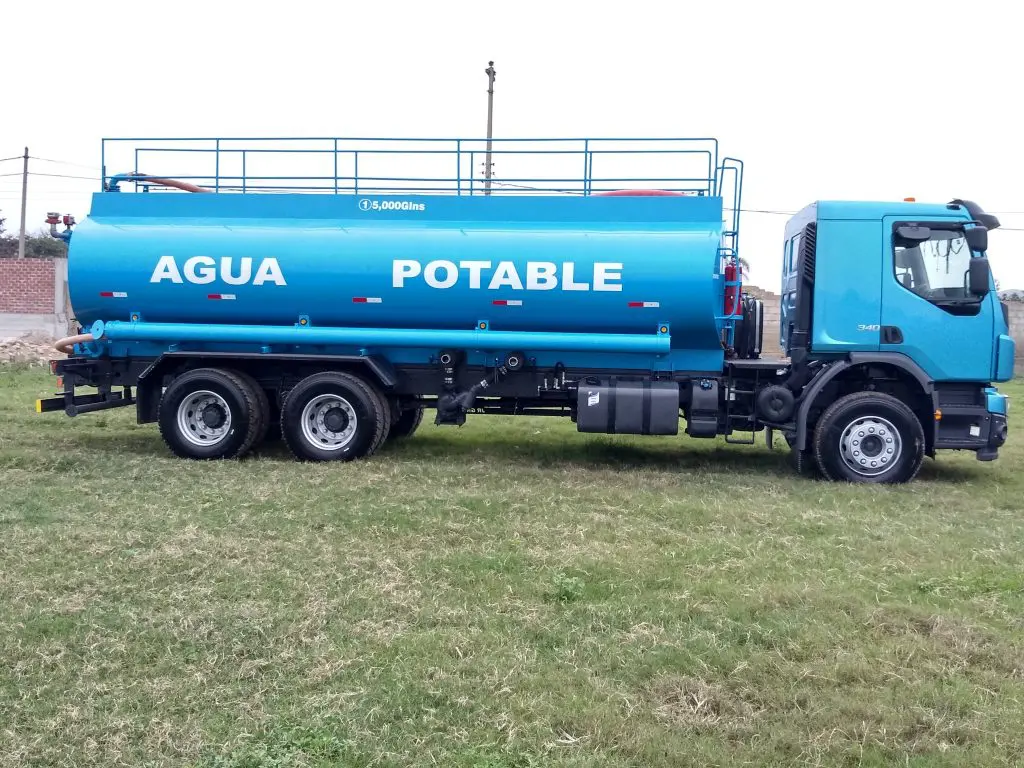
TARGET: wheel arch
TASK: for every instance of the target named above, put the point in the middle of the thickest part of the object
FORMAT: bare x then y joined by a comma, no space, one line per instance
151,380
898,372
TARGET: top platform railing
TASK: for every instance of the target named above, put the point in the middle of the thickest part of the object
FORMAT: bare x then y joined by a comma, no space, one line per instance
420,166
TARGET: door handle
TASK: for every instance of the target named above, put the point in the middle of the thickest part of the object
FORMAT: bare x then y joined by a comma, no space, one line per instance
891,335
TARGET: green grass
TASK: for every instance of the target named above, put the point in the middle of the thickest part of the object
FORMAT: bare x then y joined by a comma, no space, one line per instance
506,594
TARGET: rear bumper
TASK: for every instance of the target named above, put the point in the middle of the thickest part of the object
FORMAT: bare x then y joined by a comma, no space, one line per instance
75,372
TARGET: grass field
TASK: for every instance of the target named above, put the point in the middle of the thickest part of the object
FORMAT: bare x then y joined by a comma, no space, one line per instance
506,594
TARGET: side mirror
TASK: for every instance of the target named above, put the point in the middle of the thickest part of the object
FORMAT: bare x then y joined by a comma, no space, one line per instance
977,239
979,277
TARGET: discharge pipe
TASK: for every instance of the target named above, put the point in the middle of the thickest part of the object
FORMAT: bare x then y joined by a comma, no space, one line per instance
657,343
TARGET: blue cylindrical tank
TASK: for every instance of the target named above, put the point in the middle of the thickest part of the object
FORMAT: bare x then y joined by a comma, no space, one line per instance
553,264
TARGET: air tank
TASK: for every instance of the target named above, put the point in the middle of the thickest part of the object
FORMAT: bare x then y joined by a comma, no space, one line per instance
551,264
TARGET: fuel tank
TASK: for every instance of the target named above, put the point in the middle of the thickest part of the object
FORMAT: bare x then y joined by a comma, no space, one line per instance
572,264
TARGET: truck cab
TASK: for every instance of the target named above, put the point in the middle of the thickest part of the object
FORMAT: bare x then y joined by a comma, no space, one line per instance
905,290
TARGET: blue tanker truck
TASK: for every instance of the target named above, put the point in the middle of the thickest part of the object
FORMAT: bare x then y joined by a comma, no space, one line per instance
329,291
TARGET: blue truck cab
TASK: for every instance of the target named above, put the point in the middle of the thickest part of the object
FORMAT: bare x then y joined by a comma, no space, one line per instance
231,298
902,290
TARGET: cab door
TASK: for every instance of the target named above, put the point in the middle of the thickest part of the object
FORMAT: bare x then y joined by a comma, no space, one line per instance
928,311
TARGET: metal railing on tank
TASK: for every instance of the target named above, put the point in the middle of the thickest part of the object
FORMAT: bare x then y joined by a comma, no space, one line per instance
428,166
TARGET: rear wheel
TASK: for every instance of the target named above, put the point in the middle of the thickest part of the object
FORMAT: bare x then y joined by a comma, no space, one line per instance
259,395
334,416
210,414
869,437
404,422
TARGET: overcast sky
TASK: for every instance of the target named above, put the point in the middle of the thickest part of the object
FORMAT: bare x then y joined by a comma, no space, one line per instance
866,100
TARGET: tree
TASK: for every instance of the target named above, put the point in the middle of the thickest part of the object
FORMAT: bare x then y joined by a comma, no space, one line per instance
2,220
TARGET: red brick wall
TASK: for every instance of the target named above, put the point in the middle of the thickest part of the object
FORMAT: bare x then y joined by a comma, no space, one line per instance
26,286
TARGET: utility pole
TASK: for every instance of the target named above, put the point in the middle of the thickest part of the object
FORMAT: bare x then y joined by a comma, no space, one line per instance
24,201
490,125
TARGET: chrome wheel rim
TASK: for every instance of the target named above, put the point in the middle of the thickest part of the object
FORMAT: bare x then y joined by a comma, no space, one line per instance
329,422
204,418
870,445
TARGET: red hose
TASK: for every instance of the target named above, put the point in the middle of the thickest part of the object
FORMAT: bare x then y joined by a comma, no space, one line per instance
67,344
184,185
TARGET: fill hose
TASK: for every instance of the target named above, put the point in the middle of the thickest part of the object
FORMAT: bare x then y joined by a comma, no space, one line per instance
67,344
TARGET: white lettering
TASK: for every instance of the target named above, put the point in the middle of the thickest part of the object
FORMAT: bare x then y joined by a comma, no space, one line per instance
450,270
206,274
202,270
166,269
269,272
403,268
245,273
506,274
442,273
568,282
603,273
540,276
475,268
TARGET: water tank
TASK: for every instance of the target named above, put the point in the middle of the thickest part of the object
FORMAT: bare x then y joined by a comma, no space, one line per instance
597,264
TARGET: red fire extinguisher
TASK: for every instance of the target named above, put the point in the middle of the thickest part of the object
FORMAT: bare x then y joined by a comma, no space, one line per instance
731,291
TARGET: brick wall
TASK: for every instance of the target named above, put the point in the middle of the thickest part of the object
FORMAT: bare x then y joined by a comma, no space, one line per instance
27,285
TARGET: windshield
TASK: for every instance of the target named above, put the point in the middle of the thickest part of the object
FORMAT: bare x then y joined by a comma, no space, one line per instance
936,269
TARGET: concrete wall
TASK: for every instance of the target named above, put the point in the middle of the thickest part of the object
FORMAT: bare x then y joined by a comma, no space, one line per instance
33,296
1017,330
770,344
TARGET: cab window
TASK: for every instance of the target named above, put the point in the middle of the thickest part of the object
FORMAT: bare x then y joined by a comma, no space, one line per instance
935,268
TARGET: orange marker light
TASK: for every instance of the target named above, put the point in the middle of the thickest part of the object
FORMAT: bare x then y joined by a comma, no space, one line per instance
938,415
909,199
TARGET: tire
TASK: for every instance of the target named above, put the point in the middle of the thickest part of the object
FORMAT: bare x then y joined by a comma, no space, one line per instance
259,395
385,409
869,437
361,418
191,406
404,422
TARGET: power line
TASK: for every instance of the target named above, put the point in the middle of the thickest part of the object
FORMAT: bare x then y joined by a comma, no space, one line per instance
64,176
64,162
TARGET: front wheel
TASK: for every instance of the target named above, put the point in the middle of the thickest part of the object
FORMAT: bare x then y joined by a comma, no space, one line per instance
869,437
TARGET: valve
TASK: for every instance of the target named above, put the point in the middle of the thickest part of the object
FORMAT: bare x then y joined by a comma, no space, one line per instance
54,218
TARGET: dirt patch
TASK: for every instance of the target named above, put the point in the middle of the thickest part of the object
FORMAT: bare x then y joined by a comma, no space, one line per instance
961,644
693,703
34,349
